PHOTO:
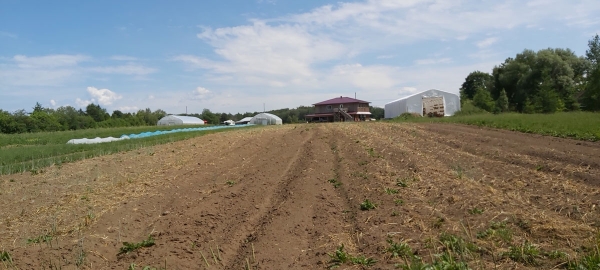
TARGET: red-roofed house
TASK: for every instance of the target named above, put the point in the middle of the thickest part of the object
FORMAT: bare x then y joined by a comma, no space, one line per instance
340,109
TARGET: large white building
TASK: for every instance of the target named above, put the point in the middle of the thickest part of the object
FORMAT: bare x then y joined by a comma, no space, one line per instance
176,120
430,102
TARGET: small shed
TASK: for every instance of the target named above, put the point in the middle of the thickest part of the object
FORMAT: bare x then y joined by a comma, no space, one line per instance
266,119
177,120
244,121
427,103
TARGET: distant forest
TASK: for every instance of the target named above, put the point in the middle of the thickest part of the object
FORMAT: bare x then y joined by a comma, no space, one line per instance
94,116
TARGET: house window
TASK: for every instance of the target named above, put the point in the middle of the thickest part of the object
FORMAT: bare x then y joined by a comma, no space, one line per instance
341,105
329,107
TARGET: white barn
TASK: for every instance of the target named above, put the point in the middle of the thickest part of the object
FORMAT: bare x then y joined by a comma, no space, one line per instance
432,101
266,119
176,120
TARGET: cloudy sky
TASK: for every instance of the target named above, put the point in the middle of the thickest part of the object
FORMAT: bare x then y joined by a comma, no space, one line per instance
236,55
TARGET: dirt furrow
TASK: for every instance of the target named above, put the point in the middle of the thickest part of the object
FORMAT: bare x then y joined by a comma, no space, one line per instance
286,197
561,157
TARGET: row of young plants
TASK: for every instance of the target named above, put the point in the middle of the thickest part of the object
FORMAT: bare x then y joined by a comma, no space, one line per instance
495,243
575,125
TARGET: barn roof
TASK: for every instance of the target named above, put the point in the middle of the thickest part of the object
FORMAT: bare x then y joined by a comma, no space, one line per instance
340,100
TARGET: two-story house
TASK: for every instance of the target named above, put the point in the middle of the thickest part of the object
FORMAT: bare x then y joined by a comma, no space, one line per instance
340,109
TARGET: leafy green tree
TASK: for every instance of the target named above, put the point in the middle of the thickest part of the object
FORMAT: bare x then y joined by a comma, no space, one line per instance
547,100
117,114
474,81
593,53
44,121
7,123
97,113
502,102
209,116
376,112
591,97
483,99
522,77
223,117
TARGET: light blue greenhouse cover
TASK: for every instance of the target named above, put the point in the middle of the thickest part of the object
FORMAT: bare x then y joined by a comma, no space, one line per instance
147,134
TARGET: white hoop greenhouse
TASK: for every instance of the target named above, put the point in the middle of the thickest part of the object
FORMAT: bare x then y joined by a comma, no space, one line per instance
266,119
176,120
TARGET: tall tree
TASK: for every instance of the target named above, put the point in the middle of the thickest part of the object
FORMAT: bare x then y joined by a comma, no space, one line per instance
591,97
483,100
593,52
474,81
523,76
97,113
502,102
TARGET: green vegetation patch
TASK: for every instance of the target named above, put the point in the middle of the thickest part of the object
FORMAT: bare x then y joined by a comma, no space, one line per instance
32,151
576,125
129,247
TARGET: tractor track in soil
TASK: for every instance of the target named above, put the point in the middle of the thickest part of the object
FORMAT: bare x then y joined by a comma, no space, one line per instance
263,198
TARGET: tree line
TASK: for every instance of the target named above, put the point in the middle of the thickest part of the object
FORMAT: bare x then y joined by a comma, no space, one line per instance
546,81
94,116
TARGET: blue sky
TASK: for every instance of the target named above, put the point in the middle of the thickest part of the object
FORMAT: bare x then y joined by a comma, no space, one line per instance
233,56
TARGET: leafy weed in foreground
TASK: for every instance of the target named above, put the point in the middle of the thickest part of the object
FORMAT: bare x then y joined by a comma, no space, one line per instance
367,205
5,257
526,253
129,247
340,257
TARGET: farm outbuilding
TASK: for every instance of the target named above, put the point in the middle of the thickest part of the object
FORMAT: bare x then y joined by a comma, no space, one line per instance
176,120
244,121
266,119
428,103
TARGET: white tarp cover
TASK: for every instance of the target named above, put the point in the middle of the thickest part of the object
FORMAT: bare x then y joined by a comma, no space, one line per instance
97,140
414,103
175,120
266,119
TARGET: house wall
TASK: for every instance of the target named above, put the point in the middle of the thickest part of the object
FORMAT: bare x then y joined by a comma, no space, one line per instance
351,107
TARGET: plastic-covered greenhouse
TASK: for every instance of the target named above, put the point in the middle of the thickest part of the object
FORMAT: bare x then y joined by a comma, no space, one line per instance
266,119
176,120
431,102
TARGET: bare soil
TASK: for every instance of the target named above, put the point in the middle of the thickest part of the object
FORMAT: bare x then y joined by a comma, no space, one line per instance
285,197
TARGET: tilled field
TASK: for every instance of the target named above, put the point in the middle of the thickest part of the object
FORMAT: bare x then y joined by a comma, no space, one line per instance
288,197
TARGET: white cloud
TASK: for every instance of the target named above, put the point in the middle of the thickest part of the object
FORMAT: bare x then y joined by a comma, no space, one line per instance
49,61
264,54
104,96
35,77
409,90
8,34
431,61
129,69
122,58
53,103
83,103
387,56
128,109
201,93
364,77
487,42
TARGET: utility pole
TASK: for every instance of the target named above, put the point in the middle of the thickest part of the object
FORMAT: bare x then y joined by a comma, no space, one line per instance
186,110
263,107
